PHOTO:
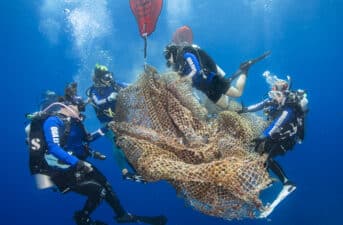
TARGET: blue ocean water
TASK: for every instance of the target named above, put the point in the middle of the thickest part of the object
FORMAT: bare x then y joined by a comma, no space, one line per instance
45,44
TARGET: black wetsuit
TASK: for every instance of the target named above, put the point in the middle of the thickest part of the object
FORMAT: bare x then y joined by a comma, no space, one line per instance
203,70
94,185
282,134
63,159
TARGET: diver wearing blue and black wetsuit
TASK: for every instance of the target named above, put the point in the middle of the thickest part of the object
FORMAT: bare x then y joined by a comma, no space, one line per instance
283,119
192,62
104,100
286,128
67,150
103,94
65,158
75,148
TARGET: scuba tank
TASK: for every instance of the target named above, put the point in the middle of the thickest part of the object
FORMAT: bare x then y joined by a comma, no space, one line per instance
302,100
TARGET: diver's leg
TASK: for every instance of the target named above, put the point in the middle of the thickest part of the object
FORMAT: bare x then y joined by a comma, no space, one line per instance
241,76
95,193
237,90
245,66
276,168
107,192
120,159
122,216
112,199
119,156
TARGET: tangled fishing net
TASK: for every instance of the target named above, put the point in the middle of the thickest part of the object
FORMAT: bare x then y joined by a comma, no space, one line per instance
166,135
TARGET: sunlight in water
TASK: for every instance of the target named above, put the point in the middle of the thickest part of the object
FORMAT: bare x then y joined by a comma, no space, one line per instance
88,21
51,21
177,10
258,5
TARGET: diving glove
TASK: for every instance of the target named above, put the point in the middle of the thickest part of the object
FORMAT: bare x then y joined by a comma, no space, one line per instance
242,110
84,167
98,155
133,177
112,97
258,141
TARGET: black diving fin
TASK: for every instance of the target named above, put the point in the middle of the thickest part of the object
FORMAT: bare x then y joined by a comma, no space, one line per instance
97,222
153,220
244,67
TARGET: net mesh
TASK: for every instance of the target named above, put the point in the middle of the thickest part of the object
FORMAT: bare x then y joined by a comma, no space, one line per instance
166,135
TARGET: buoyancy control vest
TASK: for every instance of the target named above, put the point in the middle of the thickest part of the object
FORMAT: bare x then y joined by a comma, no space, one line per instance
298,100
37,144
107,112
206,62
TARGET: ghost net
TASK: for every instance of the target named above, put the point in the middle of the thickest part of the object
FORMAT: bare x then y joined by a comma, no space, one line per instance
165,134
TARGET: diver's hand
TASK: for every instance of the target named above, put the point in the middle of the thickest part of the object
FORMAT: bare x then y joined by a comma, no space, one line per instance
258,141
98,155
133,177
242,110
83,167
112,97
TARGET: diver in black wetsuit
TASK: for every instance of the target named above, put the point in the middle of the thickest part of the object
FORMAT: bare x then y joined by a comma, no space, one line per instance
286,109
58,144
195,64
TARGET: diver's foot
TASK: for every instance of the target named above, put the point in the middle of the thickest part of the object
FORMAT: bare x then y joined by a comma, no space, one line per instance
289,186
83,219
245,66
287,189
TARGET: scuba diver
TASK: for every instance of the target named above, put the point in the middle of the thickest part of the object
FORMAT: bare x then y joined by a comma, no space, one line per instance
286,109
102,94
191,62
59,146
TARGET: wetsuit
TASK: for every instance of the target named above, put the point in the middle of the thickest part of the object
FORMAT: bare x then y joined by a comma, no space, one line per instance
104,107
203,72
281,135
65,138
105,111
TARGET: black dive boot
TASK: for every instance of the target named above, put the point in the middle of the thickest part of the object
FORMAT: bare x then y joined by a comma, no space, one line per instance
153,220
245,66
82,218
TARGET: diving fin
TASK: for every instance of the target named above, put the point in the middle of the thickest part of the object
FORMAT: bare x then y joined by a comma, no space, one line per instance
97,222
153,220
244,67
286,190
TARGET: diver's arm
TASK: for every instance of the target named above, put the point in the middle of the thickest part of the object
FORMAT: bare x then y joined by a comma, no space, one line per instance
97,101
258,106
122,84
97,134
52,127
193,64
278,123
